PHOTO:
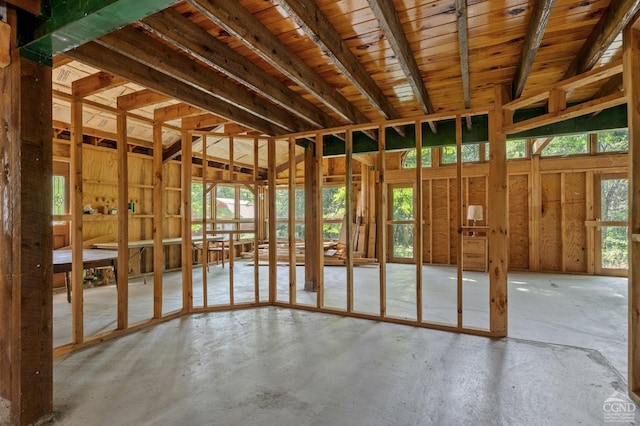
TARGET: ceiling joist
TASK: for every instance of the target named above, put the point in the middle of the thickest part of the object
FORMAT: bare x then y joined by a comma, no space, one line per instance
140,99
392,27
181,32
95,83
174,112
238,21
95,55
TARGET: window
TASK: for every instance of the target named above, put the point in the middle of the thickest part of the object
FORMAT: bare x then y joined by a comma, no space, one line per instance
470,153
409,160
516,148
566,145
199,210
613,141
333,211
59,195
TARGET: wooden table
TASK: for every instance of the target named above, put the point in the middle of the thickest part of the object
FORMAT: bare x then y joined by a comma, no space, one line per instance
141,245
91,258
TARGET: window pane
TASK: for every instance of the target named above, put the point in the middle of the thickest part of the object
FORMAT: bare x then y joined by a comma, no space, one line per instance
59,195
517,148
615,247
247,204
282,203
448,154
402,204
333,202
614,199
403,241
566,145
409,161
470,153
225,202
614,141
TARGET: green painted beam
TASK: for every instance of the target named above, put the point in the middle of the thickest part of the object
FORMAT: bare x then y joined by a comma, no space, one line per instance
609,119
71,23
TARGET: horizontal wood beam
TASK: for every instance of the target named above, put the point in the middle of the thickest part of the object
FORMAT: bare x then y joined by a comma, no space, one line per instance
202,121
95,83
173,112
136,45
140,99
172,151
117,64
32,6
238,21
178,30
101,134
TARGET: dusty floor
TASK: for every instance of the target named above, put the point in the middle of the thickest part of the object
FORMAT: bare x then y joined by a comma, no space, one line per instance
565,356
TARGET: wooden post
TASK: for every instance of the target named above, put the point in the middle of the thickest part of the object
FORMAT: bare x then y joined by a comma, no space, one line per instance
497,215
271,172
205,207
256,223
319,262
123,222
312,209
292,221
535,213
631,76
77,290
381,192
349,216
26,339
418,216
158,220
187,248
458,217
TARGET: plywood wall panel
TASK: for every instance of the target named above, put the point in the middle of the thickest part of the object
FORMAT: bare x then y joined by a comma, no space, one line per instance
551,223
440,221
519,222
574,229
477,195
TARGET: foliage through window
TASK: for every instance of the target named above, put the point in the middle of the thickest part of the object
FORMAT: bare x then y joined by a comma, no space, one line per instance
333,211
59,195
470,153
566,145
614,197
613,141
409,160
516,148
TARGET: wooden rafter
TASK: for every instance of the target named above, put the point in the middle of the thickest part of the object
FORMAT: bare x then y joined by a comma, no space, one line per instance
136,45
172,151
392,28
614,19
238,21
463,46
313,22
95,83
202,121
537,26
140,99
197,42
115,63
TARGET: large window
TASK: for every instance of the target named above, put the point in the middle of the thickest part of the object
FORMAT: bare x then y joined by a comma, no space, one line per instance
333,211
516,148
470,154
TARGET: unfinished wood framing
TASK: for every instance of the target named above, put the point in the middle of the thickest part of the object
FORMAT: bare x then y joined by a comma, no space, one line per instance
187,268
158,220
77,184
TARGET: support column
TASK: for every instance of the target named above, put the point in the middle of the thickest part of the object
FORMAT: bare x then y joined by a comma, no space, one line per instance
311,234
497,215
26,339
631,76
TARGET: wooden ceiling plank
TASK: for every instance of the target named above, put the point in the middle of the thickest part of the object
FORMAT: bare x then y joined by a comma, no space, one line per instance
238,21
174,28
107,60
140,99
95,83
136,45
313,22
615,18
537,27
392,27
174,112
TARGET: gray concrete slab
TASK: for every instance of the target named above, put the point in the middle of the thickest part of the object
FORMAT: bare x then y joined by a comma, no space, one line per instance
273,366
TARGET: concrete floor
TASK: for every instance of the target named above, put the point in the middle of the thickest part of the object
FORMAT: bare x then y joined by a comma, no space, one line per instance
566,354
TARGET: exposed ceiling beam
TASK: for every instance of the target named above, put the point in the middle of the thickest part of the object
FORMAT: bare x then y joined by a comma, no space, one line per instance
392,27
463,47
60,60
313,22
140,99
238,21
284,166
101,134
202,121
188,36
153,53
97,56
95,83
614,19
173,112
537,26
